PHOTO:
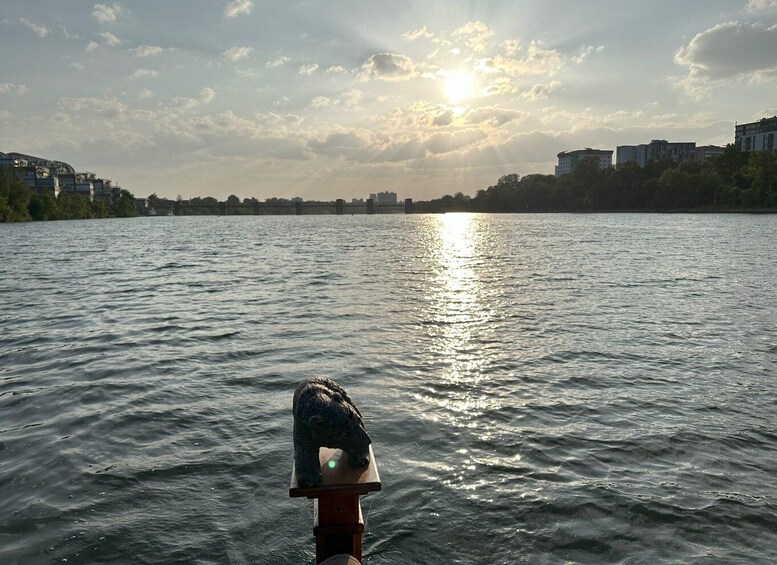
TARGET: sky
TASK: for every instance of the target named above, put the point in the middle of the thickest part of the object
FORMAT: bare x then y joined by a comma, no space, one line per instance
327,99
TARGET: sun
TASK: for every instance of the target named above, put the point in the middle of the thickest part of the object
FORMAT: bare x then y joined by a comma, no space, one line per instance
459,86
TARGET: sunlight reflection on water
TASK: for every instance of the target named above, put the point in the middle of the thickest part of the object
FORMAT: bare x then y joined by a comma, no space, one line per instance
459,305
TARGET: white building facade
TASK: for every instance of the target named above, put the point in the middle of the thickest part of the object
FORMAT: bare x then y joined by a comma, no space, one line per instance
656,151
385,197
568,160
756,136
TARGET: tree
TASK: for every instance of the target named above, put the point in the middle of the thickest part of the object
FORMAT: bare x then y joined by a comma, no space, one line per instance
14,199
44,207
125,206
72,206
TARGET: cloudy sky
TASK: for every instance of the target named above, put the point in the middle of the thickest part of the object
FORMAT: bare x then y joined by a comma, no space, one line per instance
334,98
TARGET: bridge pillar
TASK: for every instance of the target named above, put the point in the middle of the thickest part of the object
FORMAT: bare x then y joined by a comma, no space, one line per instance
298,208
408,205
370,205
339,206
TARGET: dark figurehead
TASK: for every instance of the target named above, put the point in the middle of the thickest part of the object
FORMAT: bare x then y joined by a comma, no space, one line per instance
324,416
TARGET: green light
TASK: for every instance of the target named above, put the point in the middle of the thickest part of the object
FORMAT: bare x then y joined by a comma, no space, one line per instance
332,464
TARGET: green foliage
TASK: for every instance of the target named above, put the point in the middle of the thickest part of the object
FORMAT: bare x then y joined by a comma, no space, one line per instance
72,207
125,206
14,199
19,203
44,207
734,180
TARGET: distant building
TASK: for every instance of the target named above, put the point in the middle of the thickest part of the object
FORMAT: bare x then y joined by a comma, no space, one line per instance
568,160
655,151
626,153
48,184
9,161
84,186
357,200
141,206
52,177
756,136
707,151
385,197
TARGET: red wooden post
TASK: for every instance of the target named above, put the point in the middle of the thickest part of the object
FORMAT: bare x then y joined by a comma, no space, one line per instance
338,522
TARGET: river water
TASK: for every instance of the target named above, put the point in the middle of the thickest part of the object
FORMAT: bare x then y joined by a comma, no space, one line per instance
539,388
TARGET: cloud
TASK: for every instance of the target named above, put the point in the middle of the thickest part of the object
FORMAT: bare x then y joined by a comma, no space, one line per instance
109,110
475,35
387,66
39,30
417,119
277,62
146,51
758,5
501,85
237,7
540,91
728,51
492,116
537,61
197,128
320,102
68,34
10,88
347,99
336,69
238,53
307,70
510,46
417,34
107,14
145,94
206,95
141,73
109,39
444,118
585,52
352,144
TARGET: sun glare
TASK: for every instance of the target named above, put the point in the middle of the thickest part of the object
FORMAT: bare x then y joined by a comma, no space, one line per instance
459,86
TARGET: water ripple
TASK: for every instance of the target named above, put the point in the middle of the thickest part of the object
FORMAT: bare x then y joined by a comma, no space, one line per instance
594,388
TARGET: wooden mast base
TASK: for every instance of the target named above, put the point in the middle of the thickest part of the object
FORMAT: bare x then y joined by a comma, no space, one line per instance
338,522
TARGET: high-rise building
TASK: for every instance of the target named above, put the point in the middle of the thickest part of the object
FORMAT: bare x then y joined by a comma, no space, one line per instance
568,160
385,197
706,151
657,150
756,136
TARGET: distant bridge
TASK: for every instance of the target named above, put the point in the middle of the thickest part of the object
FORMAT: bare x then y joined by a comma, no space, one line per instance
339,207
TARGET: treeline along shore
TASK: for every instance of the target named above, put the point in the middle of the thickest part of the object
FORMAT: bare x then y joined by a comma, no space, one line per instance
20,203
733,181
